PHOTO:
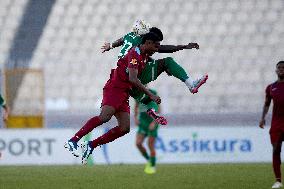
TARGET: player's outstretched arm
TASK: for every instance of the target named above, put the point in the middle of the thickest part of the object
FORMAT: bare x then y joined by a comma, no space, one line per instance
108,46
175,48
137,83
264,111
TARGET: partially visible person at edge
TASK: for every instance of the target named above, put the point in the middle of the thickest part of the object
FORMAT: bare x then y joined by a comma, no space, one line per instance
275,92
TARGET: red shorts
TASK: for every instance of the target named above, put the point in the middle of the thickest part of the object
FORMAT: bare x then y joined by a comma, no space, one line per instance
276,136
118,98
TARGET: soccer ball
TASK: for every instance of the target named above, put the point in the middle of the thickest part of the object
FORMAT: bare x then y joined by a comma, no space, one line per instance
140,27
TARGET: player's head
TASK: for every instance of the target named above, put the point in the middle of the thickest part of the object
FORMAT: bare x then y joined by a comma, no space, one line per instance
158,32
151,42
280,69
140,27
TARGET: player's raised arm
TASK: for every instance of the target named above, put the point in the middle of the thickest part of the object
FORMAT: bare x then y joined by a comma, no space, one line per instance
108,46
137,83
171,48
175,48
265,107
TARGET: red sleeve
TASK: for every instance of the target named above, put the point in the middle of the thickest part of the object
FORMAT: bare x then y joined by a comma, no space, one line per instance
133,59
267,92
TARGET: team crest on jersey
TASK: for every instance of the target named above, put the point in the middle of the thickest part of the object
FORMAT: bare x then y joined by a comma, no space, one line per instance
133,61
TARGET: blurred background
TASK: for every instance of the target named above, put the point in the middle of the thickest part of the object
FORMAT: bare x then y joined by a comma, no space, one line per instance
53,71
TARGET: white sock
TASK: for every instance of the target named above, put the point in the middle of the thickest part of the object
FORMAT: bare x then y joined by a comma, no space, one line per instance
189,82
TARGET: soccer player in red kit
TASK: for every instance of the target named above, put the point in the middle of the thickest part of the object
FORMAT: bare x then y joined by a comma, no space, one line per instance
116,97
275,91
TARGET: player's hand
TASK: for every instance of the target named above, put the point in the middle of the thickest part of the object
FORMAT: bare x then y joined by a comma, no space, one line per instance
191,46
155,98
105,47
262,123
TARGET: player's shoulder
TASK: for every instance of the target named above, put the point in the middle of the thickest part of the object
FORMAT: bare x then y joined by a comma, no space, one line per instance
135,51
130,34
271,85
274,84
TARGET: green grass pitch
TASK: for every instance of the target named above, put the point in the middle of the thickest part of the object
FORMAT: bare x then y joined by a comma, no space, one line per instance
192,176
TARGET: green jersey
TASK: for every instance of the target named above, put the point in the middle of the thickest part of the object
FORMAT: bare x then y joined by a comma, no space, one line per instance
129,40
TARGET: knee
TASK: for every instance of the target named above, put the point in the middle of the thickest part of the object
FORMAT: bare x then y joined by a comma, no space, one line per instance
152,150
105,117
152,153
125,129
276,151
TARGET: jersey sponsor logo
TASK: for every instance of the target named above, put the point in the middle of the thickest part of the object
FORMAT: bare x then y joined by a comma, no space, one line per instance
133,61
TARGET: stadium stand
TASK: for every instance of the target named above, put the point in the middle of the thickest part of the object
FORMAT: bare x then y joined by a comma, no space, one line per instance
10,16
240,42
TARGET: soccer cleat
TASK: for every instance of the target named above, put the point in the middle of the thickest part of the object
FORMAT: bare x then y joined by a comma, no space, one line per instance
159,119
148,164
197,83
277,184
149,169
86,151
72,147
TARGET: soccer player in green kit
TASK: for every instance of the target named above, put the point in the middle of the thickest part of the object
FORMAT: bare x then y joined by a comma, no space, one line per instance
147,127
155,67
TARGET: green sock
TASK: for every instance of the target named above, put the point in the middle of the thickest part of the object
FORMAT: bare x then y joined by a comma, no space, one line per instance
145,155
153,161
175,69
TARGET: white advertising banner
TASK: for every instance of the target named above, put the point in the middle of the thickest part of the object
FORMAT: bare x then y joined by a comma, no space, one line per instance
194,145
174,145
34,146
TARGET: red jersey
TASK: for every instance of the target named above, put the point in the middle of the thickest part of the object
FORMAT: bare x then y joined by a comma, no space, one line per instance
119,77
275,91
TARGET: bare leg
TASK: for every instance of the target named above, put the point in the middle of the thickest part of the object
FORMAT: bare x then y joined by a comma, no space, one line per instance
123,128
139,143
277,160
151,144
105,115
